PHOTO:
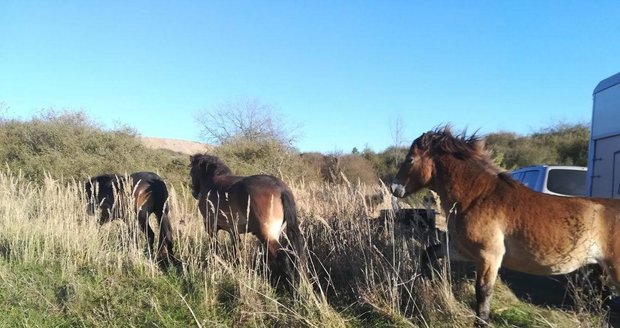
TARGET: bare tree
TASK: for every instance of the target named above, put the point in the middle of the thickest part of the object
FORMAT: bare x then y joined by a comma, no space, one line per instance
4,110
243,118
396,130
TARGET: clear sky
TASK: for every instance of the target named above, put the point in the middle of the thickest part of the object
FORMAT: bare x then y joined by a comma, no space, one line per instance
344,70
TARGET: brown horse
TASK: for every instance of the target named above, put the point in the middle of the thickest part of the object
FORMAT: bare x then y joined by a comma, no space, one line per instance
495,221
148,194
260,204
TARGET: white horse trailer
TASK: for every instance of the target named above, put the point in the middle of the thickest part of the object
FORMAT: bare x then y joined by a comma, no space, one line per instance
604,149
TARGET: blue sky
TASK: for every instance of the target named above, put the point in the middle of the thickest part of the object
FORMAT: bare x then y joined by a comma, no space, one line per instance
342,70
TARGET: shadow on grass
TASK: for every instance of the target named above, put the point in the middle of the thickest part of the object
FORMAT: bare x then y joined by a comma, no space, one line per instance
576,291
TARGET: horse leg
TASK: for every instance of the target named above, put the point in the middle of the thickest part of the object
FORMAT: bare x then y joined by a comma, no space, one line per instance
235,238
210,223
279,264
486,275
430,260
166,242
143,220
611,275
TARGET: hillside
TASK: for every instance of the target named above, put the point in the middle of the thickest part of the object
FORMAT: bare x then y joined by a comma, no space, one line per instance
176,145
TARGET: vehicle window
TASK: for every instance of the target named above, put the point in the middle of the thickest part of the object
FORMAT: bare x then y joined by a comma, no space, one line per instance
567,182
517,175
530,178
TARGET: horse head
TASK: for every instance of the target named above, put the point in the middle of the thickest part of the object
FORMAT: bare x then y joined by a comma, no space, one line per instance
203,169
417,170
428,155
100,194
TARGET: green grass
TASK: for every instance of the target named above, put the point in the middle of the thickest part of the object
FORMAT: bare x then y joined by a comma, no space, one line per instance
59,268
44,295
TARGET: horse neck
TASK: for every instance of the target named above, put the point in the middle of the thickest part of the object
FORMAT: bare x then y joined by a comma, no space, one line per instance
461,182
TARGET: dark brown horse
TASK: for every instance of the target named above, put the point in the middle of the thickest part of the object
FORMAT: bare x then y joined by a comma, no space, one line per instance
148,194
495,221
260,204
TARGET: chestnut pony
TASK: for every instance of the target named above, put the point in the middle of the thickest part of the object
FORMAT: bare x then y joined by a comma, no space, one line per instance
260,204
148,194
495,221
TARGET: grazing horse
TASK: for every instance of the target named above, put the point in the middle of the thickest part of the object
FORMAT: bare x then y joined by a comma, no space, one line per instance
149,193
495,221
260,204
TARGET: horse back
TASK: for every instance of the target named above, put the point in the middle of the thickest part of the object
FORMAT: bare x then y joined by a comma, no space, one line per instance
263,183
149,191
263,191
259,199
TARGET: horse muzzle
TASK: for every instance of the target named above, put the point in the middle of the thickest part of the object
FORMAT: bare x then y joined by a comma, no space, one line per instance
398,190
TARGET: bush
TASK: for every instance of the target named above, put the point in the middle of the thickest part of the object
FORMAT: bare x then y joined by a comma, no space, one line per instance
357,168
70,145
335,168
315,166
386,163
266,156
565,144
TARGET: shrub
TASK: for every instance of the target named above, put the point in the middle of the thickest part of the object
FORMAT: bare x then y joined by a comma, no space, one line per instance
266,156
565,144
386,163
70,145
335,168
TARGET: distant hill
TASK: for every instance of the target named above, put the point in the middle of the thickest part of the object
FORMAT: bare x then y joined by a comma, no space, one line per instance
176,145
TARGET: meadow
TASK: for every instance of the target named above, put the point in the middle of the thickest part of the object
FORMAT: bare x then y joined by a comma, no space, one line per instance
59,267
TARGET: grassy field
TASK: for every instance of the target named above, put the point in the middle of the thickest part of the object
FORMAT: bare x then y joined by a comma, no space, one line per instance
59,268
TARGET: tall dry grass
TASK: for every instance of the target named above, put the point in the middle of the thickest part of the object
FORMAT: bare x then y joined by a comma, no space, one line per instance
57,260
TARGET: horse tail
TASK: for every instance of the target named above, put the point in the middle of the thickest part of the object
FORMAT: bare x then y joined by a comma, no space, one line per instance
293,233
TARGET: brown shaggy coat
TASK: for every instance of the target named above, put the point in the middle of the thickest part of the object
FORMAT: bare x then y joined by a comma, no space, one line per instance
495,221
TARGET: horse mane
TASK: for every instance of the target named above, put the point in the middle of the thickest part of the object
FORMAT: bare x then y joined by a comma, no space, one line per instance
442,141
206,160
